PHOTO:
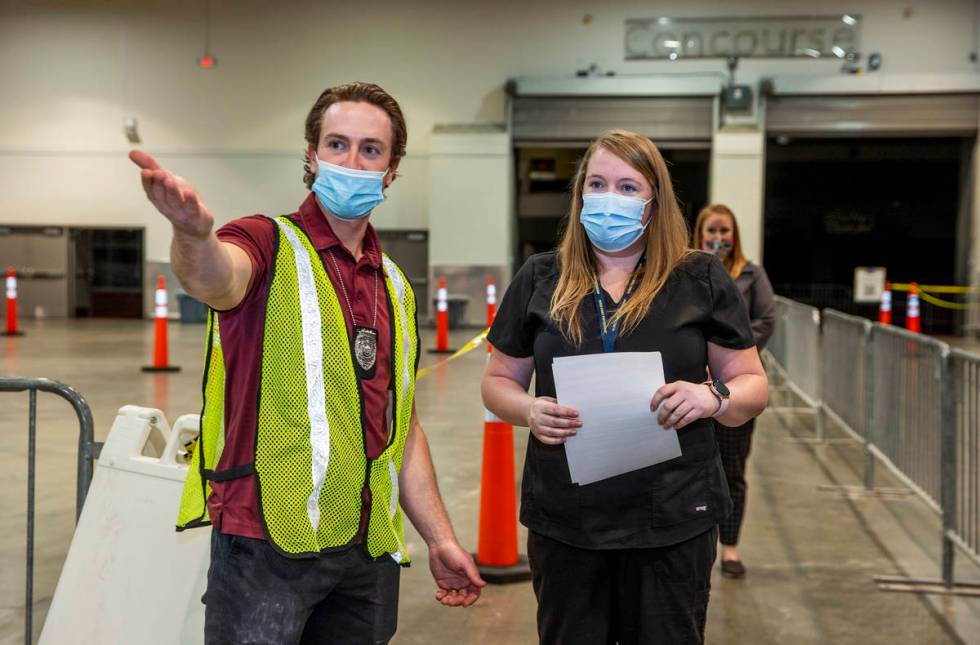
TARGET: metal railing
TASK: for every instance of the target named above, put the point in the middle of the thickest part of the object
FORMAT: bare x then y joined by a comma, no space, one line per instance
795,350
916,407
799,347
88,452
905,430
844,375
961,460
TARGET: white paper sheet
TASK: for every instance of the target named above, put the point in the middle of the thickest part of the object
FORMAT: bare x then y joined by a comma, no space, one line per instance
612,394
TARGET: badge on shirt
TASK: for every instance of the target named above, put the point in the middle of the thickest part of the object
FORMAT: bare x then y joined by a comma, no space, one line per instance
365,352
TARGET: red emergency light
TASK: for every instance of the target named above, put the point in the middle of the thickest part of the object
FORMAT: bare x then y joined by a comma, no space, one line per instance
207,61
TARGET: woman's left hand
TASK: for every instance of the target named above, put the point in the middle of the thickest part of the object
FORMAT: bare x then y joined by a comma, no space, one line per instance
681,402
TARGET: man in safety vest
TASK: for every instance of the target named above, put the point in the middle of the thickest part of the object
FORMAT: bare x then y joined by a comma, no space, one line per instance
310,446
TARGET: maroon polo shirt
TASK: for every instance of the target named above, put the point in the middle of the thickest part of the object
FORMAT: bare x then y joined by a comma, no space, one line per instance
233,504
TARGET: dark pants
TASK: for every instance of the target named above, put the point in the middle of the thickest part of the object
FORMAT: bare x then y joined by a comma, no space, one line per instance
734,445
626,596
259,597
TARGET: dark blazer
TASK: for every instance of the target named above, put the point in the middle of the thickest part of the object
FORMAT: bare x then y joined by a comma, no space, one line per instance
756,290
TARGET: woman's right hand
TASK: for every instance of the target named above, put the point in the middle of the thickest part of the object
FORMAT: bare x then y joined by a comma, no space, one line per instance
551,423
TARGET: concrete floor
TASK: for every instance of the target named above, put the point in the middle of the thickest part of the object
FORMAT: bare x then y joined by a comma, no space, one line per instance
811,554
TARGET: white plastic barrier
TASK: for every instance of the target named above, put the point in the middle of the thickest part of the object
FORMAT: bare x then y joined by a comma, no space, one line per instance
129,576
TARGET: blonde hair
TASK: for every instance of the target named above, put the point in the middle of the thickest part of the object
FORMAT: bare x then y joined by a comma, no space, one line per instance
666,238
735,262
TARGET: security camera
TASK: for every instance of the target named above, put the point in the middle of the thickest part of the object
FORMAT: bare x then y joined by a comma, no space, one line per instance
131,129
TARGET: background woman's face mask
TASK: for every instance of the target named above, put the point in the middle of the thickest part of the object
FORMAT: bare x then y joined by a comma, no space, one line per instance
717,245
346,192
612,221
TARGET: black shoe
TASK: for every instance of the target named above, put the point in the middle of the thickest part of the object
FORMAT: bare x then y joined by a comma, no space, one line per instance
732,569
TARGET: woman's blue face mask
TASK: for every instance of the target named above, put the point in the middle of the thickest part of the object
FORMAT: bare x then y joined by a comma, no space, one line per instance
346,192
612,221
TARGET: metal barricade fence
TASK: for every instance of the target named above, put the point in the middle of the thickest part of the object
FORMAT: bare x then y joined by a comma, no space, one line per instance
795,347
88,452
776,347
905,429
916,406
844,382
801,357
961,460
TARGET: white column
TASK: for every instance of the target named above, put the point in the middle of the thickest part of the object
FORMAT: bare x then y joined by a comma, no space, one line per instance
471,217
738,166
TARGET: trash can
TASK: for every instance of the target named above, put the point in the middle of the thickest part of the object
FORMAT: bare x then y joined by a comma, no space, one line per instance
456,306
191,311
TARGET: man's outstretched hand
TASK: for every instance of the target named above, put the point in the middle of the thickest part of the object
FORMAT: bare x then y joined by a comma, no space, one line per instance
174,197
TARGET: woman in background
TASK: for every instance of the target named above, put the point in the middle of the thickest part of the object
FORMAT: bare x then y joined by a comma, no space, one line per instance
716,231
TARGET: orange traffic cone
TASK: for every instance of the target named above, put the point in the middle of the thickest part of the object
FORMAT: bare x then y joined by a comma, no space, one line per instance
912,320
491,307
161,362
496,556
442,321
12,304
885,308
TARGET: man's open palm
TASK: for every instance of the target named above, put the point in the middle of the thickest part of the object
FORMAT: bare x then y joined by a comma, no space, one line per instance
174,197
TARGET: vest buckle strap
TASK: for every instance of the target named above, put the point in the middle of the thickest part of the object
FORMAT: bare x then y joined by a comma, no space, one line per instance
230,473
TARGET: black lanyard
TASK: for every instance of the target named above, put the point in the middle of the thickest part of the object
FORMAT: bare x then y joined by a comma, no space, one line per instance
609,330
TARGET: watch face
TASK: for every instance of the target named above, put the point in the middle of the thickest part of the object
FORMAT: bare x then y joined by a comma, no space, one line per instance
722,388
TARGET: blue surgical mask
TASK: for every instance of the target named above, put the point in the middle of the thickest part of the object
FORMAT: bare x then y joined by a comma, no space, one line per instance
612,221
346,192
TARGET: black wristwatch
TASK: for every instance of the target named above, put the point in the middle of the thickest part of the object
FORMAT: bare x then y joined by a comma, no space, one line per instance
722,393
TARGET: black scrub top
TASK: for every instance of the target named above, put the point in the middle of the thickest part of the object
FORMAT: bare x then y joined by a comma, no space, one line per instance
655,506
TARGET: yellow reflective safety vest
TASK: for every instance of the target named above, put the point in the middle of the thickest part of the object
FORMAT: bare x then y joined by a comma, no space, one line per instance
310,457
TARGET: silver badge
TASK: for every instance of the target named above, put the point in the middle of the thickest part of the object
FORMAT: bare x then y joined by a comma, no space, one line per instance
366,348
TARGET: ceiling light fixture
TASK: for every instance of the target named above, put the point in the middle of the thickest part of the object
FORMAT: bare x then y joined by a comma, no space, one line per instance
207,60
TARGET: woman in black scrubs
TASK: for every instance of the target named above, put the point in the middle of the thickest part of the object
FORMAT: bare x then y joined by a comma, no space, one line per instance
627,559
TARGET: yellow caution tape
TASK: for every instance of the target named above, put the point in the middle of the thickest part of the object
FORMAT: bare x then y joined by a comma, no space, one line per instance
190,447
925,289
935,288
468,347
946,304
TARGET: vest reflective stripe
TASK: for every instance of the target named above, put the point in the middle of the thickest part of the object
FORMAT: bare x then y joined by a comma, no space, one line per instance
397,280
313,362
310,459
393,473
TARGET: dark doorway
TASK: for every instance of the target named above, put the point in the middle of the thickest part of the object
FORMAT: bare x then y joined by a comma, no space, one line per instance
410,251
836,204
108,273
544,177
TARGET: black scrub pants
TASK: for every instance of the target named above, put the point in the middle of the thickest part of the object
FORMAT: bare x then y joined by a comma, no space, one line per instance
256,596
651,596
734,445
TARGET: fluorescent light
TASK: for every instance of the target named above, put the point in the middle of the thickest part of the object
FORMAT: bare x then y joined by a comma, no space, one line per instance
848,20
673,44
663,21
839,51
812,53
